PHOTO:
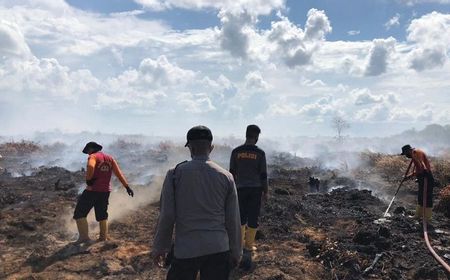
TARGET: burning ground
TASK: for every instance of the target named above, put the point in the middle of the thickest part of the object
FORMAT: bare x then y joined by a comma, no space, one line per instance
328,234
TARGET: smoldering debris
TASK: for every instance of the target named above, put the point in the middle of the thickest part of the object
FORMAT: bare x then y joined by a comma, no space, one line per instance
304,233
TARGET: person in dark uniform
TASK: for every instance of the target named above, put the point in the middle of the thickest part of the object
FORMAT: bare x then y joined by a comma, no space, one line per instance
249,168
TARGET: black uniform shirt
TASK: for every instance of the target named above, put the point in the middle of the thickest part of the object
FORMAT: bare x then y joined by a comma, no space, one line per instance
248,166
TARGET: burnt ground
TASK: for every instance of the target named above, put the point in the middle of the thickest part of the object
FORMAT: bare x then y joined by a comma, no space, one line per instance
326,235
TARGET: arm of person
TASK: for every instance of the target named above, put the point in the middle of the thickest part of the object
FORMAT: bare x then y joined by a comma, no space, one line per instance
410,175
162,242
427,163
233,223
118,172
263,176
233,164
90,167
90,172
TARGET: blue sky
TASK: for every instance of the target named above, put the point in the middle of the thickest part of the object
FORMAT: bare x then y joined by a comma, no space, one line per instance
161,66
366,16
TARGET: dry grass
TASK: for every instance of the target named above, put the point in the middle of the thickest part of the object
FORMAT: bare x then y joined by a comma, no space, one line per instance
391,168
444,202
19,148
441,171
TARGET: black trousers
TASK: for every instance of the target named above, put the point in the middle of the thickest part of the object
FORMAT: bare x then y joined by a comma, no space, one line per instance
89,199
211,267
430,184
249,205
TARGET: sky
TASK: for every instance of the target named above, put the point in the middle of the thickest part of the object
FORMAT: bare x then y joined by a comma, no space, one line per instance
159,67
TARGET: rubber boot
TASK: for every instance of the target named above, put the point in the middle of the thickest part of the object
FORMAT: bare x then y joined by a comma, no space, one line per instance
83,230
246,261
250,235
243,227
419,212
103,230
428,213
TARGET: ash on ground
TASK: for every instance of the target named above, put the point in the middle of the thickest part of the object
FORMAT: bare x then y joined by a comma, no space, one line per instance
303,234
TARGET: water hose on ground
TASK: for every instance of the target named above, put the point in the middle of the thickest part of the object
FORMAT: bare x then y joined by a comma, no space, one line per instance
425,230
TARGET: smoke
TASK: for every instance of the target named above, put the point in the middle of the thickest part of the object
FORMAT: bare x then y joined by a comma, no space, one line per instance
145,160
120,205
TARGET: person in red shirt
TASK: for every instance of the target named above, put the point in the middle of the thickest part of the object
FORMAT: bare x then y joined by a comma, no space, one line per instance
99,170
421,171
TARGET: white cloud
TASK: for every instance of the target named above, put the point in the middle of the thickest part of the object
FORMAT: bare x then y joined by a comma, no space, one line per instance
379,56
294,45
12,42
377,113
426,113
74,32
123,65
416,2
428,58
353,32
364,97
317,25
196,103
255,7
315,83
45,77
430,35
254,80
235,33
160,73
394,21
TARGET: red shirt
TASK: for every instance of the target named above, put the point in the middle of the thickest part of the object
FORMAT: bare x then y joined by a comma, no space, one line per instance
100,167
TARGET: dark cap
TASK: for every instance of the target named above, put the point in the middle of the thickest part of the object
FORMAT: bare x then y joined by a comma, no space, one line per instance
252,130
92,146
405,149
199,132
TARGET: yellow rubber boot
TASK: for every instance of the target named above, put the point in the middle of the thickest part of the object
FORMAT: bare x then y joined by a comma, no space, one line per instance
103,230
250,235
428,213
83,230
419,212
243,227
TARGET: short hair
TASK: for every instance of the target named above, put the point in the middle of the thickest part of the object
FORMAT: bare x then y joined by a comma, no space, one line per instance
252,131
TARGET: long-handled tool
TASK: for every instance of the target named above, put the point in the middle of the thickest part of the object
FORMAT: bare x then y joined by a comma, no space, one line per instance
399,186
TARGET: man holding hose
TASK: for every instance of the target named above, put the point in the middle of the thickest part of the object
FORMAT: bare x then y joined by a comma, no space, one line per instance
422,171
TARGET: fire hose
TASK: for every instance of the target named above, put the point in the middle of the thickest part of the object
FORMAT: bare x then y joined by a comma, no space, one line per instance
424,221
425,230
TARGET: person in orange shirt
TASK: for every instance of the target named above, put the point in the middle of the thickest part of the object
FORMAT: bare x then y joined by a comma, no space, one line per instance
100,168
421,171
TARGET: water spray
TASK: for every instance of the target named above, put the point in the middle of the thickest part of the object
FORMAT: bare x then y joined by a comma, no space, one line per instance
398,189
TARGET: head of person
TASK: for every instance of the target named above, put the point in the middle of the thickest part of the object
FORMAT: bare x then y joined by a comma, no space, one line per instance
199,141
407,151
92,148
252,134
